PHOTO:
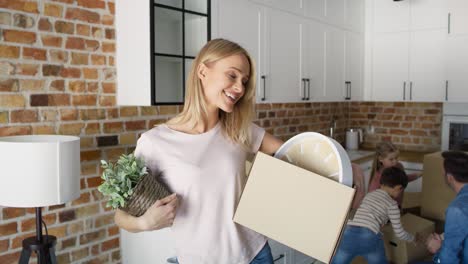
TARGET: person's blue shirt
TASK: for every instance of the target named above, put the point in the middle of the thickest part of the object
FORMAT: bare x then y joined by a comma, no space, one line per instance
455,245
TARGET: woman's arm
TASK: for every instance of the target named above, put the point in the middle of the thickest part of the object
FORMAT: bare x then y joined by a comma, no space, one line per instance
270,144
160,215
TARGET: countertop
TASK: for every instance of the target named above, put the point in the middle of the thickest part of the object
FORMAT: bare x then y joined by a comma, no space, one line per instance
363,155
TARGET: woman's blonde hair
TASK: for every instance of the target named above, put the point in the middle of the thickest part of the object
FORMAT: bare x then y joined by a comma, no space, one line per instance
382,150
236,124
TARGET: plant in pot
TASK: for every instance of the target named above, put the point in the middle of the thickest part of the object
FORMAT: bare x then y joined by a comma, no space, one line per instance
130,186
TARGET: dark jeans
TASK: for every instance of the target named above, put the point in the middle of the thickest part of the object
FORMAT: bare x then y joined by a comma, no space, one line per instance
264,256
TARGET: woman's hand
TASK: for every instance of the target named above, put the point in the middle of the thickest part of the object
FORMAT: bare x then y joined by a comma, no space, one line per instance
160,215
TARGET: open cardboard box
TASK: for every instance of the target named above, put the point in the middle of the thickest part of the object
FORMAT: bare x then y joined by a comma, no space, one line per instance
436,194
402,252
296,207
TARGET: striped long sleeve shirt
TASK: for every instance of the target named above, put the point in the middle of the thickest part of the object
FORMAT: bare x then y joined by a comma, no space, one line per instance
375,211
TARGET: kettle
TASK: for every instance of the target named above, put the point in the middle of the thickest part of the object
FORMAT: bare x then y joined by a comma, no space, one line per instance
354,137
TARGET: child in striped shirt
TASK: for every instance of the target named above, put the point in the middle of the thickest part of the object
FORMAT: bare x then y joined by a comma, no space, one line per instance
362,235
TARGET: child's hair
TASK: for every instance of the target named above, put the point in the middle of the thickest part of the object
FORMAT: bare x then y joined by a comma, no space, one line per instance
382,150
394,176
456,164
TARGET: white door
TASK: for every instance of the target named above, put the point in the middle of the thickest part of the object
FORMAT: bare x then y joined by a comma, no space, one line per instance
334,64
428,14
335,12
354,65
457,68
354,15
294,6
284,57
390,66
246,31
391,16
314,60
314,8
427,71
458,10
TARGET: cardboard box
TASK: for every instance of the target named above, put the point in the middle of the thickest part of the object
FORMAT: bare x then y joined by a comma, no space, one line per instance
436,194
295,207
402,252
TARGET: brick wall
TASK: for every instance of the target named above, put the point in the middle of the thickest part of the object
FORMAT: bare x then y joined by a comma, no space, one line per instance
411,126
57,76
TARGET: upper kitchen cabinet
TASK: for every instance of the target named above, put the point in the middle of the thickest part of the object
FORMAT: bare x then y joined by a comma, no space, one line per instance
313,61
457,69
334,65
397,16
293,6
153,61
427,60
354,15
245,31
409,66
281,75
315,8
390,66
335,12
458,17
354,45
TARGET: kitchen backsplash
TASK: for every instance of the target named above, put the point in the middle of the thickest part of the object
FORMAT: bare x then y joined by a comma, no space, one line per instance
410,125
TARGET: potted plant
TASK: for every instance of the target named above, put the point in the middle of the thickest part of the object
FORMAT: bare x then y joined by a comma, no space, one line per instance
130,186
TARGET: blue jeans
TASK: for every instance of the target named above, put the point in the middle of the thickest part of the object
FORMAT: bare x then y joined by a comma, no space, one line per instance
360,241
264,256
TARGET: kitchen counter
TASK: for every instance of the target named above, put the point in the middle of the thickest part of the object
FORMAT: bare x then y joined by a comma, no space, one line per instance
363,155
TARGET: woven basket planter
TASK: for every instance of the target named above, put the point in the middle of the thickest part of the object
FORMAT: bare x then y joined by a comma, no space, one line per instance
146,193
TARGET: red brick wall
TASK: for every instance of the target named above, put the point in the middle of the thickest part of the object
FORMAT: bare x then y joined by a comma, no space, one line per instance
411,126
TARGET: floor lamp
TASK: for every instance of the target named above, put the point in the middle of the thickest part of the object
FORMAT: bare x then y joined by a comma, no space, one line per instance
38,171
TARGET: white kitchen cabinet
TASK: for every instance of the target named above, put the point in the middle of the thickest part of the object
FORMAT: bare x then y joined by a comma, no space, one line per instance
390,66
335,12
353,66
249,37
427,73
458,10
457,68
294,6
397,16
391,16
411,168
354,15
283,57
428,14
134,246
314,60
334,64
315,8
409,66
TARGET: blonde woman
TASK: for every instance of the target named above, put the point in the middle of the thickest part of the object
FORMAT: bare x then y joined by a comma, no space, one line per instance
201,154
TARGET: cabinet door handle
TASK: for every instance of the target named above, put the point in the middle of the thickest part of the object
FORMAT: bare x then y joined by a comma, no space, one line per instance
264,87
304,89
446,90
448,23
308,89
411,91
348,90
404,90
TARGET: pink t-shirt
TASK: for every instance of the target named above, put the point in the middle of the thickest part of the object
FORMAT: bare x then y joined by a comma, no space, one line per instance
207,172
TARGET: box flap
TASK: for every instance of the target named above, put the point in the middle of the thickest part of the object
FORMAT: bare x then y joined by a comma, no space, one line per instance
298,208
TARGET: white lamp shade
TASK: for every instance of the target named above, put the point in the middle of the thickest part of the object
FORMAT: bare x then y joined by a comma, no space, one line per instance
39,170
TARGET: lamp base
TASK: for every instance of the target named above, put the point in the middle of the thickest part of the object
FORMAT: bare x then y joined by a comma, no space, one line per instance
44,249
